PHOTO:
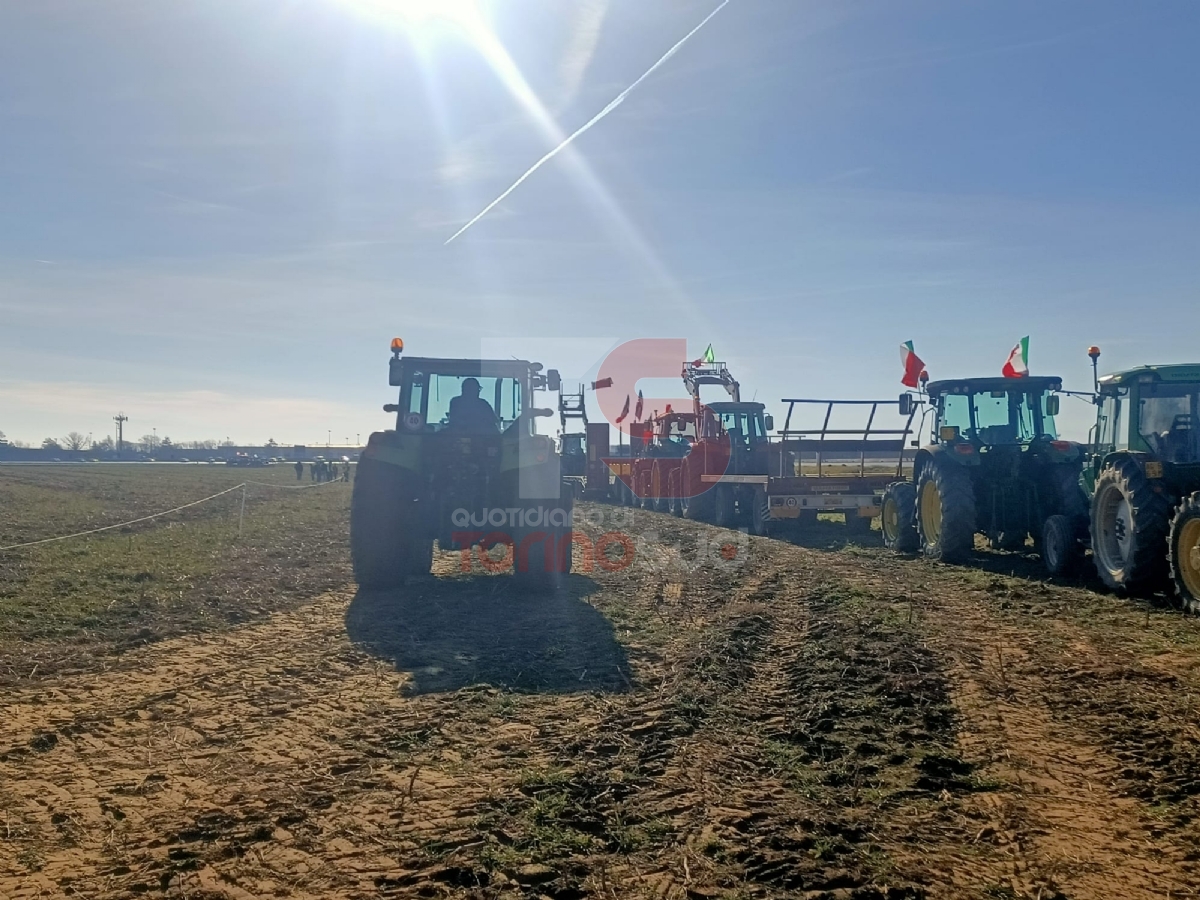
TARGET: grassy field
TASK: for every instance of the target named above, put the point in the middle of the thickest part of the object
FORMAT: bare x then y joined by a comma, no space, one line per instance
71,603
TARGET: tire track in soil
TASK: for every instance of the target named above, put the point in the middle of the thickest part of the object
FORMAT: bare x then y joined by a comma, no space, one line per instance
1071,731
281,759
777,731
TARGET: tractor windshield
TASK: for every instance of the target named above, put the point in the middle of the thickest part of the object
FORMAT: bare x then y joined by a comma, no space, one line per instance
431,395
1166,415
999,417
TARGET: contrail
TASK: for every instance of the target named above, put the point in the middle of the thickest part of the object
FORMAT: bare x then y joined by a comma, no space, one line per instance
620,98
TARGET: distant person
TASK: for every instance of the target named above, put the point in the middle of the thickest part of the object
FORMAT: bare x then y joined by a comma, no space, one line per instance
471,413
299,470
312,471
346,471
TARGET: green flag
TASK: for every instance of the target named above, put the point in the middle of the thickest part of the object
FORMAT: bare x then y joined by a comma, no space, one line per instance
709,356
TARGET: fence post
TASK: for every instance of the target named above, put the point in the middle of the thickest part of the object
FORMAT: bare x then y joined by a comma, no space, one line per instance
242,514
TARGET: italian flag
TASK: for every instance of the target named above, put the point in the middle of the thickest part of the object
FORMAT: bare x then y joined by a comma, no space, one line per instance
1018,361
913,366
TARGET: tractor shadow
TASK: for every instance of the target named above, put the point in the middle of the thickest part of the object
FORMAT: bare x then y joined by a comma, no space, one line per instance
452,632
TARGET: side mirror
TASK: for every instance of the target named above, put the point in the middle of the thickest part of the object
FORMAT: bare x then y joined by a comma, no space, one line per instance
769,421
906,404
1052,404
553,380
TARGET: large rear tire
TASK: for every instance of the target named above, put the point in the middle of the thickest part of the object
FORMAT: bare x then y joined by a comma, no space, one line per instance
547,561
726,506
760,511
945,511
898,517
675,491
700,507
1185,553
1130,523
387,543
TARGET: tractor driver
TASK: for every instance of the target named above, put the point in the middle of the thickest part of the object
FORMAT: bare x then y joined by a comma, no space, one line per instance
470,412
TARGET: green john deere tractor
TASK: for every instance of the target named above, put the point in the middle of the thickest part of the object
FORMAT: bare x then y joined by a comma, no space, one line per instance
1144,478
464,466
995,466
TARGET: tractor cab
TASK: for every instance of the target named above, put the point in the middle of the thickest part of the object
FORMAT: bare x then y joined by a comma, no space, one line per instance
468,396
988,413
672,435
746,424
1152,412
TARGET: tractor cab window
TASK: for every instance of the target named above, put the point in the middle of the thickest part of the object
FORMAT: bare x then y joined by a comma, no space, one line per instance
998,417
994,420
1032,416
1108,424
676,436
1167,417
678,431
430,396
956,412
743,427
1048,426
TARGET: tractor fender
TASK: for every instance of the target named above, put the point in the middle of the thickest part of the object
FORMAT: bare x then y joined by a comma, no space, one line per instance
924,455
395,449
942,452
1117,458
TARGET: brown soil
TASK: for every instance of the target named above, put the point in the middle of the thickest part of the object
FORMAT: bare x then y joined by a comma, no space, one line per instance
824,721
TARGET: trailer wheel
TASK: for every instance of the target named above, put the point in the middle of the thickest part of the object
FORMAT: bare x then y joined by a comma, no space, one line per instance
1185,553
856,524
1130,525
898,517
1061,552
387,543
945,511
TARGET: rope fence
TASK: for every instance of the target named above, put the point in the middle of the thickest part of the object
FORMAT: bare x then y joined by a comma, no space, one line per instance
166,512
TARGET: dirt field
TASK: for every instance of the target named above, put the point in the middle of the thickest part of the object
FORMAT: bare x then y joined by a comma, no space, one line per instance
727,717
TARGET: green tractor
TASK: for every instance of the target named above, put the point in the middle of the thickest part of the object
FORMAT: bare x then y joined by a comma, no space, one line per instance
465,467
1144,478
994,466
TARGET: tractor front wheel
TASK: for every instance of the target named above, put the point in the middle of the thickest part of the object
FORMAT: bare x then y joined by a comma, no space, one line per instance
1130,522
1061,552
898,517
1185,553
945,511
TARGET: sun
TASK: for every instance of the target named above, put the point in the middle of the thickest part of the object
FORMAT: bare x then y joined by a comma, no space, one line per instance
421,15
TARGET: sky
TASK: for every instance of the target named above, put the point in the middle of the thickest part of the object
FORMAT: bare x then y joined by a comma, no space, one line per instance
215,215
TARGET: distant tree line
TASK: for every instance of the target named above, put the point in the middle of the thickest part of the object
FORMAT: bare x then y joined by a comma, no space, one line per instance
147,443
